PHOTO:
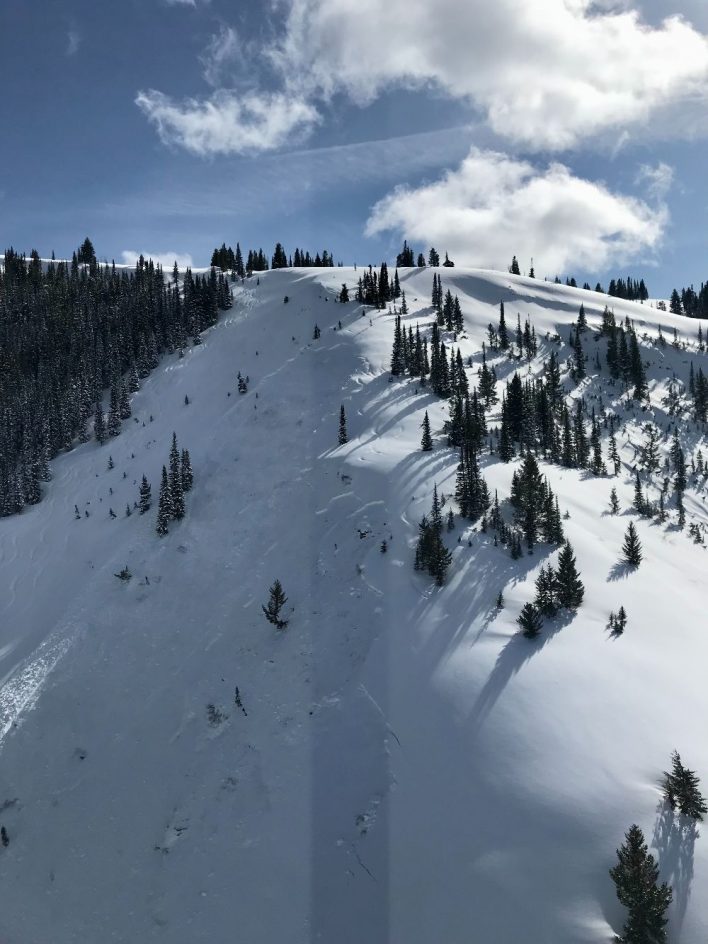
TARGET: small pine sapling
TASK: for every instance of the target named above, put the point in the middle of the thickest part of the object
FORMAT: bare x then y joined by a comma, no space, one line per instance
276,602
614,502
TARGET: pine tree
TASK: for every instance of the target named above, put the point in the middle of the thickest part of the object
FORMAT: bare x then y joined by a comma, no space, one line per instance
632,548
545,601
530,621
145,496
99,426
343,437
635,876
164,505
614,502
176,489
500,601
503,333
186,471
569,586
426,443
514,267
276,602
681,790
614,455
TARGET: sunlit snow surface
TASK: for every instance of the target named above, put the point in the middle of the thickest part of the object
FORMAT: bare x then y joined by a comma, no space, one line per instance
409,770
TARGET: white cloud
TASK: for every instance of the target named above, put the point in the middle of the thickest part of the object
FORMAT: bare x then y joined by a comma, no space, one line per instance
493,207
658,179
223,48
228,123
546,73
73,41
165,259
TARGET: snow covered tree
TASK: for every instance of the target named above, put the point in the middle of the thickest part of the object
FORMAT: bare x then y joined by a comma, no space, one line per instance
632,548
635,876
186,473
681,790
276,602
514,267
176,489
530,621
145,496
99,426
164,505
426,443
343,437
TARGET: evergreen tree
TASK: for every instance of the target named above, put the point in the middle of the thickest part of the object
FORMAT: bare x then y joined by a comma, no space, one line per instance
186,473
343,437
569,586
632,548
176,489
614,502
635,876
545,601
145,496
514,267
614,455
681,790
502,332
99,426
426,443
530,621
276,602
164,505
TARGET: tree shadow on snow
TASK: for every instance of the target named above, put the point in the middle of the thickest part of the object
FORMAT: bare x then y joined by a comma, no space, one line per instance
620,571
515,654
675,839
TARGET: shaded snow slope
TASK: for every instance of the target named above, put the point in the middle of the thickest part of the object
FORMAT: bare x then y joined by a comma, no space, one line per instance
409,769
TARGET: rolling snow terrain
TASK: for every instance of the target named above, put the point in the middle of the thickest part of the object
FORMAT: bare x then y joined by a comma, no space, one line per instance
407,768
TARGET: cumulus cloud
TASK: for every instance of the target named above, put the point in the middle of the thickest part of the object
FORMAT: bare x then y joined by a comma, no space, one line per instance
493,207
165,259
545,73
228,123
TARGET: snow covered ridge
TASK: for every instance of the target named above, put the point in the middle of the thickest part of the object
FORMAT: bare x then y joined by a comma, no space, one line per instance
399,764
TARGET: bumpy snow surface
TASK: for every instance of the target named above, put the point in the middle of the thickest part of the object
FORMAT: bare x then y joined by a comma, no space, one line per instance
409,769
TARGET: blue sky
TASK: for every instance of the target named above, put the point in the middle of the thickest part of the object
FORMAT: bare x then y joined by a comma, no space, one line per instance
572,132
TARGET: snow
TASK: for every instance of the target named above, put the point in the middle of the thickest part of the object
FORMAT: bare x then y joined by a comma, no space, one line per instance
409,769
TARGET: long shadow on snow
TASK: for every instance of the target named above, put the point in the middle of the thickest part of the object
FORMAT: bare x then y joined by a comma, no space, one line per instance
473,590
517,652
675,839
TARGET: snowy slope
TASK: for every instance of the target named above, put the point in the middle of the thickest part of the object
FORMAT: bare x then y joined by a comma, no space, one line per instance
409,770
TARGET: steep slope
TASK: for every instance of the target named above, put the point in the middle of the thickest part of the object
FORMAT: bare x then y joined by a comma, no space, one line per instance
409,769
